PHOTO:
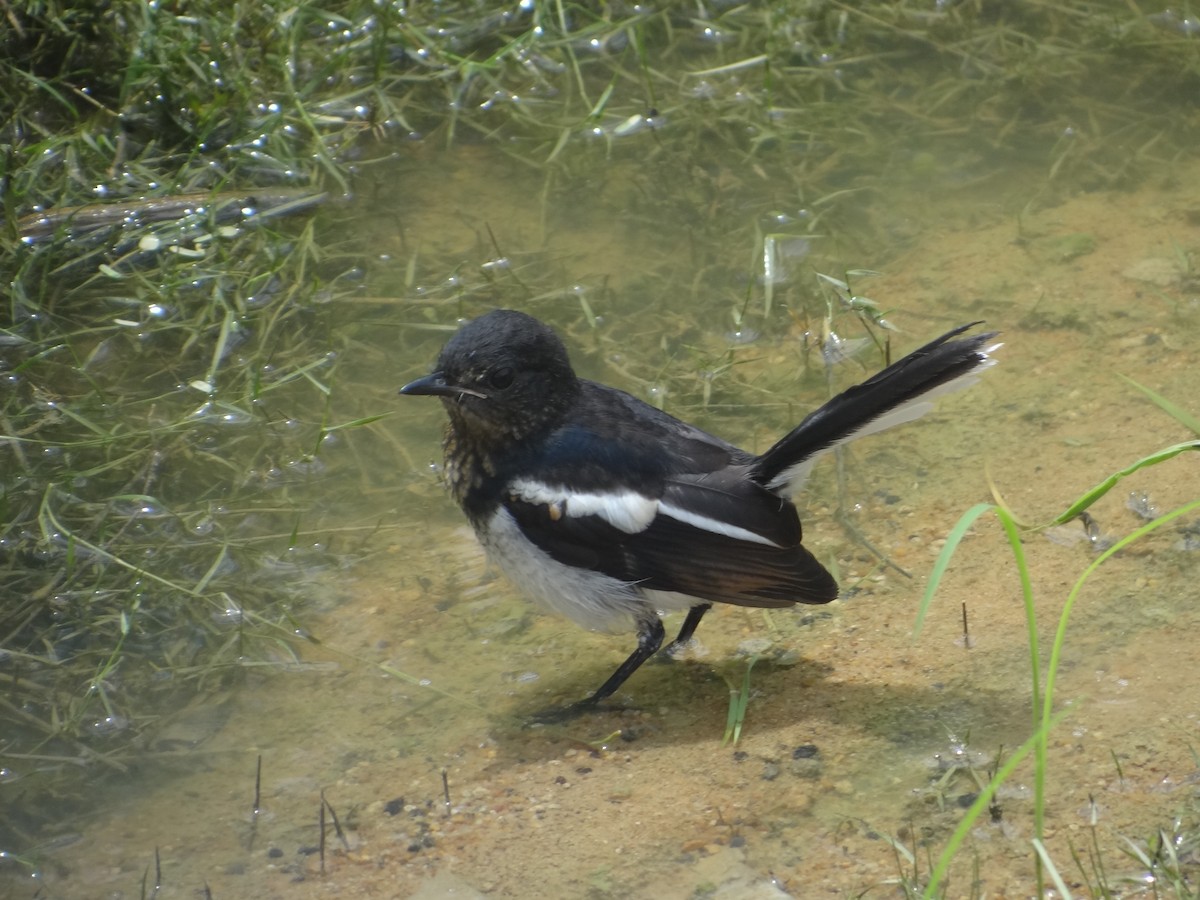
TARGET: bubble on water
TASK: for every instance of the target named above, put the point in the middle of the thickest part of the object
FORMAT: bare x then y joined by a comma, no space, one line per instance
110,725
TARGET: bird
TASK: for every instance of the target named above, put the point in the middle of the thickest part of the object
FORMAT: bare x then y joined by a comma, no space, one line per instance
611,512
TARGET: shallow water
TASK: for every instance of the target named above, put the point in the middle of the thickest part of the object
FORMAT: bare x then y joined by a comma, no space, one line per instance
411,715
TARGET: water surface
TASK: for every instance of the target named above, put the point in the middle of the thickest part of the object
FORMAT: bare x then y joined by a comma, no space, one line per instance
679,262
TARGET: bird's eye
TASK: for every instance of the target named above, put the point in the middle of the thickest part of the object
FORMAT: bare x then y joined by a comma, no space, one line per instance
501,378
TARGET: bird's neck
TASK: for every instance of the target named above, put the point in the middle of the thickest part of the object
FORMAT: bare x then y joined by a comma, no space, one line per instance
479,461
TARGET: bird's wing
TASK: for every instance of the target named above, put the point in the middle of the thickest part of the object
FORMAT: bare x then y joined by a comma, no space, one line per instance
714,535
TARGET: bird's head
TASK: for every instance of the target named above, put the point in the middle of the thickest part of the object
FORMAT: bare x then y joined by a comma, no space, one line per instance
504,375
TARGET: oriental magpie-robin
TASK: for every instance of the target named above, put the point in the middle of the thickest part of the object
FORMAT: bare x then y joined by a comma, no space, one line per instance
607,510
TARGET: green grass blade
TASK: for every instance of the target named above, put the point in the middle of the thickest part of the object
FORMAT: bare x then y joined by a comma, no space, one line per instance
748,63
1044,856
218,351
51,523
1009,523
355,423
982,802
1018,550
1060,634
1182,416
730,714
1110,482
939,568
1060,639
743,700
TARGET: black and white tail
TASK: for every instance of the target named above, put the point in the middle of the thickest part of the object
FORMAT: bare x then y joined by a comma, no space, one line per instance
903,391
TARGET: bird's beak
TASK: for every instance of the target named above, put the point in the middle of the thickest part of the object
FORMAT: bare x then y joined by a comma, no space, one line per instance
435,385
431,385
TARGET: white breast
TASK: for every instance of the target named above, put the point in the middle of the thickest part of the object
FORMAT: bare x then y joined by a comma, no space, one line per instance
591,599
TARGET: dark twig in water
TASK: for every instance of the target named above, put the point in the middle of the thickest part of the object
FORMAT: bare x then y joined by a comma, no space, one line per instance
157,874
258,786
337,826
446,788
321,829
966,631
257,808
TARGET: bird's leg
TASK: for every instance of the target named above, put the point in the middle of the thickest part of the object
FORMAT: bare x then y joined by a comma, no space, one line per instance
694,615
650,638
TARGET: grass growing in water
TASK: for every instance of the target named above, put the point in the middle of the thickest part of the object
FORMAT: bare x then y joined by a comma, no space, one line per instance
1160,865
167,419
168,359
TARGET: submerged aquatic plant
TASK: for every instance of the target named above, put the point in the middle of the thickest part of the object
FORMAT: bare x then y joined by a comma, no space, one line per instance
167,363
170,342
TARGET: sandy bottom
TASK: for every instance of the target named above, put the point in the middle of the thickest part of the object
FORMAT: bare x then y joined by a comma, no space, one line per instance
862,748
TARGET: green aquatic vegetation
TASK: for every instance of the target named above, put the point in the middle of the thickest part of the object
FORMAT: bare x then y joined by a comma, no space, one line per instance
739,700
1179,414
178,316
1044,675
168,366
159,450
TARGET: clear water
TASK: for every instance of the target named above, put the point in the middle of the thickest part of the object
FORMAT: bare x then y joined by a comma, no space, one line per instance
657,253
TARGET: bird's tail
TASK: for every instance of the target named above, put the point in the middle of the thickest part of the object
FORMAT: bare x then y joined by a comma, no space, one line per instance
903,391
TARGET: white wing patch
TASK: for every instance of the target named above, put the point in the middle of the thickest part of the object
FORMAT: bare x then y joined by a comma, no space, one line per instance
627,511
717,527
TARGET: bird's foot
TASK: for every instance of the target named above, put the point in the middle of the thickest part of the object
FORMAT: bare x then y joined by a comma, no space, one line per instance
561,714
678,650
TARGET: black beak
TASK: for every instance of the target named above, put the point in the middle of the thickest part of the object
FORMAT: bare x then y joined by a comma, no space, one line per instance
435,385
